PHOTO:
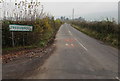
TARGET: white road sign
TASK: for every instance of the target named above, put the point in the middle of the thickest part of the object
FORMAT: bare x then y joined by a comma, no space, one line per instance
20,28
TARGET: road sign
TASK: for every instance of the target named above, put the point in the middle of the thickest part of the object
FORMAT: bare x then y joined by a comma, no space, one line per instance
20,28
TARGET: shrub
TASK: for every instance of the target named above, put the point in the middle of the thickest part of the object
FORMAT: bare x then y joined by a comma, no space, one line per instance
43,30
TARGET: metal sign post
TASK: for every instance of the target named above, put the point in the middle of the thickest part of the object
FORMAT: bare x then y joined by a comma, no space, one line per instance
21,28
13,44
23,40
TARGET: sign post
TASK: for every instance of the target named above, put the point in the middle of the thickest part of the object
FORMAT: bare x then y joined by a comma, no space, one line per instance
21,28
13,44
23,40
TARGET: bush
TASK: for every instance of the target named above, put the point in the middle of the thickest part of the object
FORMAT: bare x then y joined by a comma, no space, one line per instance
44,29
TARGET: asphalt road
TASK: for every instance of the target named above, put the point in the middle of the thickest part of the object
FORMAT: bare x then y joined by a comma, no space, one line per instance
78,56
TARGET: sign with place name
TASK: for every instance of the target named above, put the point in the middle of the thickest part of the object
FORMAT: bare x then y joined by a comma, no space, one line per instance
20,28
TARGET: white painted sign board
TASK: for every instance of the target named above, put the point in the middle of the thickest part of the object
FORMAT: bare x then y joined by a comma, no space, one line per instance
20,28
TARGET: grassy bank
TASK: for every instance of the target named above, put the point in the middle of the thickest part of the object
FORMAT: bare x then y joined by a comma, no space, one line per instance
17,49
108,38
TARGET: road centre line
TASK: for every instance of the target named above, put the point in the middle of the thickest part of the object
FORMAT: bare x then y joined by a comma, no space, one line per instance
78,41
70,32
81,44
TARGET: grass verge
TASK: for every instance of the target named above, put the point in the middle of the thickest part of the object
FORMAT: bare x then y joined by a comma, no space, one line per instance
105,38
16,49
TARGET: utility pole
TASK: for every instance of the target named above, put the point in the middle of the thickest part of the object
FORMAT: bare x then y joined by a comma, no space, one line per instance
73,14
13,43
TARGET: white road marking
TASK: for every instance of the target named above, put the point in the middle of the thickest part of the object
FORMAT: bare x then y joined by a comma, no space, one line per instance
70,32
78,41
81,44
117,78
66,44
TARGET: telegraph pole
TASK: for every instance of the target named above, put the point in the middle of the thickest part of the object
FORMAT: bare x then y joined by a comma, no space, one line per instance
73,14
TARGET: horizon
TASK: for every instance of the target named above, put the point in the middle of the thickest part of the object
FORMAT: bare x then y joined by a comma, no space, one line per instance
88,10
91,11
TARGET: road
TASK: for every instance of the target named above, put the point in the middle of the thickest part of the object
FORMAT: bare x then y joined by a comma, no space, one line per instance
78,56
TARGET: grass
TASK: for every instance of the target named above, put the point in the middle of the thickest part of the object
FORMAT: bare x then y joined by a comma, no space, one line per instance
108,39
19,48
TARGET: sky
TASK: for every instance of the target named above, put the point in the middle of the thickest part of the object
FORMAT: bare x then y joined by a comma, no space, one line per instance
87,10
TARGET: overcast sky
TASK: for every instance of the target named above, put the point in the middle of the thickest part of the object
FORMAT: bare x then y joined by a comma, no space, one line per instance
88,10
